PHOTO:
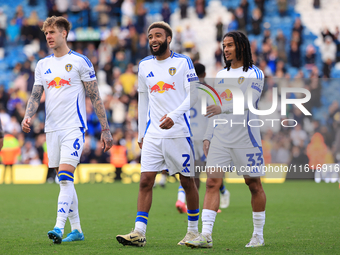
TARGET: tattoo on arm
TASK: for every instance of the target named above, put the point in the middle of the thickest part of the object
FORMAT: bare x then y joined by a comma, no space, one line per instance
34,101
92,91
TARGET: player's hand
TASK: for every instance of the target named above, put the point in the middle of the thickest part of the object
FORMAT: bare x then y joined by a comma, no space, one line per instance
107,140
141,144
213,110
25,125
206,144
167,123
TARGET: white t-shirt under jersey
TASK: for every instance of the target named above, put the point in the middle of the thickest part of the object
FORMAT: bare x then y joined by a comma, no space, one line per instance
65,93
166,82
240,134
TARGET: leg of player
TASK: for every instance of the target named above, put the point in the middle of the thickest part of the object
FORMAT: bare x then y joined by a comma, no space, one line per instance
180,204
66,178
258,203
76,233
225,196
191,192
210,208
137,236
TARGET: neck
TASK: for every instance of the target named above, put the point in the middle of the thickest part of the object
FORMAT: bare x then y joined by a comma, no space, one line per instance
236,64
166,54
61,51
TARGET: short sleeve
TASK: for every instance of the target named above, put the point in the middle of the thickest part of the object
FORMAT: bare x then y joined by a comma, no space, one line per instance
87,72
37,75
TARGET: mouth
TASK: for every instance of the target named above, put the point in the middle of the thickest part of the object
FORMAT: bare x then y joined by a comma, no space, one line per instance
155,47
227,56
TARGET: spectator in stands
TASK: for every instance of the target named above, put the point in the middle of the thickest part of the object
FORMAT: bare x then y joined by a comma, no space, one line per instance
128,79
19,15
115,12
29,154
316,4
333,114
218,57
183,6
298,26
241,21
279,153
281,45
244,5
299,159
13,32
294,55
118,112
128,11
256,20
310,57
327,136
142,47
165,12
219,29
141,18
103,10
265,68
282,6
120,61
260,5
316,151
298,136
328,54
97,156
3,19
233,25
200,8
189,39
177,40
85,156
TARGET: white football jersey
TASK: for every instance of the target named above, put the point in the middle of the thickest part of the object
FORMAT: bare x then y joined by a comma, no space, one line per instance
65,93
166,82
236,133
198,122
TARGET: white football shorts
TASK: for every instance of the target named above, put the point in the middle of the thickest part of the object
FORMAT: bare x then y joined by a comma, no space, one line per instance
65,146
246,161
173,154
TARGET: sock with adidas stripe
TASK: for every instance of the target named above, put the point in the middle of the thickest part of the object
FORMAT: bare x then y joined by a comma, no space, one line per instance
73,214
65,198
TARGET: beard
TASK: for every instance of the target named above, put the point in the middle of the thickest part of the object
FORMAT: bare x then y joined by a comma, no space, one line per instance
162,48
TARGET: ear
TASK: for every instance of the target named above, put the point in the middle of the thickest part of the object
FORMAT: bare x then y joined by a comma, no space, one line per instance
168,38
64,33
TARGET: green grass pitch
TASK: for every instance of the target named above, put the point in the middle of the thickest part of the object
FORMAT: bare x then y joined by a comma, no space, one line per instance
302,217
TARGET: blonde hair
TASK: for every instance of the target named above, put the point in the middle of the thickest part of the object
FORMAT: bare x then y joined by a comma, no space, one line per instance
163,25
60,22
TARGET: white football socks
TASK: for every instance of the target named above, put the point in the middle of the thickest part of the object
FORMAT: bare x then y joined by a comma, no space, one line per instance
140,227
181,194
73,215
258,221
64,203
208,220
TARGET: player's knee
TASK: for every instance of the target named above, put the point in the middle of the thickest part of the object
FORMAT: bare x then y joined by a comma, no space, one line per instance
254,184
146,182
213,183
187,182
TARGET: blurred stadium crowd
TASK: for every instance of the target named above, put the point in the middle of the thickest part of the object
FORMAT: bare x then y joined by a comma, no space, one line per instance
281,48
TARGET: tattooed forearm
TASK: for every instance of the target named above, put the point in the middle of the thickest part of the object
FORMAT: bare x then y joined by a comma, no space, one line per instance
34,101
92,91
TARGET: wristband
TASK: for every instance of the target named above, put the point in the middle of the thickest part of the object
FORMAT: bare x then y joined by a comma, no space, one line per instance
105,130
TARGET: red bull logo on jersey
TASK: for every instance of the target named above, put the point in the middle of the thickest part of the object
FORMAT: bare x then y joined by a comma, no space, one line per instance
227,95
161,87
58,82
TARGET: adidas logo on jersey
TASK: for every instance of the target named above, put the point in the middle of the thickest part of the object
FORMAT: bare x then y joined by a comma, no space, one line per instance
75,154
150,75
48,71
61,210
221,81
186,170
